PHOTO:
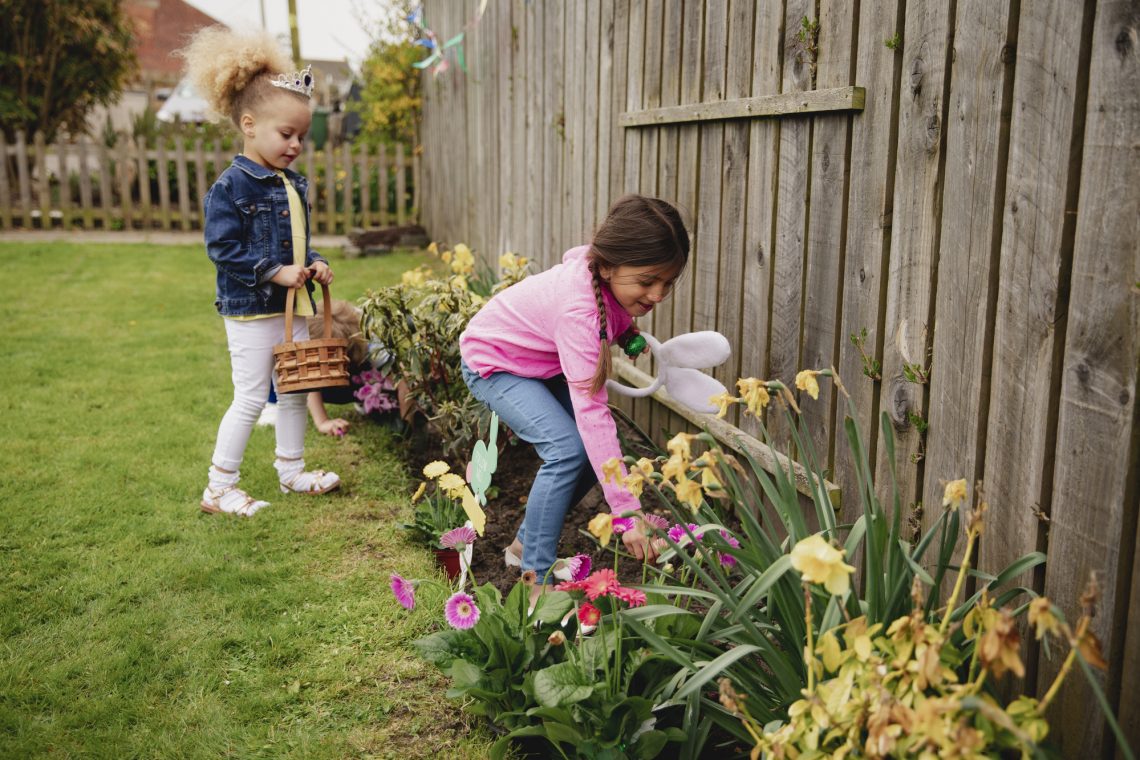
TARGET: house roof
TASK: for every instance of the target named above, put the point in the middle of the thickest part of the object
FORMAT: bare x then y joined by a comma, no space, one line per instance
161,27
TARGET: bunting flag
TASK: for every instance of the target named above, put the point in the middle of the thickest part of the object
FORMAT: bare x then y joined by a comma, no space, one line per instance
437,59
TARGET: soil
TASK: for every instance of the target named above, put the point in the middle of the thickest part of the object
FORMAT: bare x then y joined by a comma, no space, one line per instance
517,465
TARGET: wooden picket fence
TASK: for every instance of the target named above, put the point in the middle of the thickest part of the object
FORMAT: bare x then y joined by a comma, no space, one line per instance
85,184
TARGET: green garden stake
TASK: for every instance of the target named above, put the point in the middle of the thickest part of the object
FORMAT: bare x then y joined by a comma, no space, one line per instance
484,461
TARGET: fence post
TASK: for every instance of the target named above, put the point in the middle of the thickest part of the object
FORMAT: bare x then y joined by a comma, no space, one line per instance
199,181
123,169
330,189
62,152
85,200
415,186
183,184
105,184
24,178
43,181
365,188
163,173
144,184
401,186
346,159
382,187
5,192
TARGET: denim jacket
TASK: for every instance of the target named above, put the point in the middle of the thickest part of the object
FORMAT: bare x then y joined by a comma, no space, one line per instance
249,236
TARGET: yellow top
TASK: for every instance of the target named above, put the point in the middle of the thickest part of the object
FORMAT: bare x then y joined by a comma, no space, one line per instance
302,307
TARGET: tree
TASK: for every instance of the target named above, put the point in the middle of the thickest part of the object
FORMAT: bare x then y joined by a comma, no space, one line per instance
60,59
391,99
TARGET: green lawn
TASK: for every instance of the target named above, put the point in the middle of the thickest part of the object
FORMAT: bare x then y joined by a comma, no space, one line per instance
133,625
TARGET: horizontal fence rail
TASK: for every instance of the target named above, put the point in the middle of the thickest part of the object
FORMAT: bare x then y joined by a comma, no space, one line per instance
87,184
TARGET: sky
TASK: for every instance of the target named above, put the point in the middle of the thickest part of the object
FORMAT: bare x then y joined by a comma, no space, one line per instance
329,29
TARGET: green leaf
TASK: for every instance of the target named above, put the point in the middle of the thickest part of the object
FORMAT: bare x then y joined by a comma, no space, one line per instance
553,606
652,612
767,579
562,684
715,668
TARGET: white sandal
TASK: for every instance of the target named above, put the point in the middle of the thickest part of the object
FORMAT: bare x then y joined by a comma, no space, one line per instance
311,482
230,500
510,559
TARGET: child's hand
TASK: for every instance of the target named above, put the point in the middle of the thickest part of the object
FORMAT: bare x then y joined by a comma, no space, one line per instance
291,276
321,272
639,545
337,427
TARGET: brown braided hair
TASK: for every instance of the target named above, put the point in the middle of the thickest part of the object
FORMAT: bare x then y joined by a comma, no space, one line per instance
638,231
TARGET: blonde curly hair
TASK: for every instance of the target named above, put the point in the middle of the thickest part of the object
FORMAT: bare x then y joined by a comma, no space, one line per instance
233,71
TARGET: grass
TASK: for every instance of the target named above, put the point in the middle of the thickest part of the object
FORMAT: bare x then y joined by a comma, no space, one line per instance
134,626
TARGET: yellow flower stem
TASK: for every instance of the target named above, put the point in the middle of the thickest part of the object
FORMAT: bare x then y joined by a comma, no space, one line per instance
958,583
1074,642
749,722
810,651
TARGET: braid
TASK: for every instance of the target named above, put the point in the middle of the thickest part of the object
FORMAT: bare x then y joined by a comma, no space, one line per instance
602,373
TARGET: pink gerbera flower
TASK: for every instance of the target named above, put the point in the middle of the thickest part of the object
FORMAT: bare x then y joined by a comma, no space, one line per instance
622,524
461,611
600,583
457,538
677,532
630,596
657,521
405,591
588,614
579,566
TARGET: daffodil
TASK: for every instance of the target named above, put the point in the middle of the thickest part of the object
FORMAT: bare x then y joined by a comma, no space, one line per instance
954,494
436,468
645,466
754,394
819,562
709,479
433,248
1041,615
678,445
634,483
612,471
507,260
689,492
462,260
805,381
721,401
602,527
999,648
675,467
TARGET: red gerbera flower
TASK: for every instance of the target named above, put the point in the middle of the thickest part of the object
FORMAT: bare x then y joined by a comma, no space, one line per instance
588,614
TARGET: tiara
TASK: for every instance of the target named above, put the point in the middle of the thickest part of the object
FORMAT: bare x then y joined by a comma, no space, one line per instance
299,81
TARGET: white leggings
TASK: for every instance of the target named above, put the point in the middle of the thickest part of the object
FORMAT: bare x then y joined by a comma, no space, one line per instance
251,357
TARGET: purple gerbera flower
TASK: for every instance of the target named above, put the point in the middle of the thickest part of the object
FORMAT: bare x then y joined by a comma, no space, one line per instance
727,560
457,538
405,591
579,566
461,611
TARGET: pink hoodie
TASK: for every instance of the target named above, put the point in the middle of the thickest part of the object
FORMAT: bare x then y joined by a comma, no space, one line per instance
548,324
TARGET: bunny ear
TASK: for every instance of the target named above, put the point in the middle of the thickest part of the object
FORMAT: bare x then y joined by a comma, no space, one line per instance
693,388
698,350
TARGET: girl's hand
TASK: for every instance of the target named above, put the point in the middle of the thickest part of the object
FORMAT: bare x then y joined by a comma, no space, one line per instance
336,426
290,276
638,543
321,272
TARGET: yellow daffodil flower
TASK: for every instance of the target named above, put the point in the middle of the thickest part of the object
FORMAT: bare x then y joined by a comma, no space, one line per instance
674,468
634,482
1041,615
721,401
954,494
820,562
689,492
645,466
805,381
602,527
754,394
612,470
678,445
462,260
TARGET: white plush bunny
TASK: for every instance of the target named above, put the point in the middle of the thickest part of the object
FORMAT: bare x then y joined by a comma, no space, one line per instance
679,361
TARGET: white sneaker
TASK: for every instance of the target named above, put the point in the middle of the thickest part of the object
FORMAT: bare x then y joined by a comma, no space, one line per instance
268,415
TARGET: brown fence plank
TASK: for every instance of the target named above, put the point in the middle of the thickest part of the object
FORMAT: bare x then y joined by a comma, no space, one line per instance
506,68
163,173
914,242
183,184
86,202
383,172
363,166
791,222
123,173
1036,248
61,153
346,199
826,226
23,176
144,185
554,129
328,218
1095,483
535,128
200,185
401,186
43,180
5,189
105,199
590,122
869,209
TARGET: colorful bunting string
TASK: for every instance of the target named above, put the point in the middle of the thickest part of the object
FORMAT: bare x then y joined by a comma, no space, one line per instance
437,59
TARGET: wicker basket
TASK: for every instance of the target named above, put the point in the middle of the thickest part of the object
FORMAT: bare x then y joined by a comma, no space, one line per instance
310,365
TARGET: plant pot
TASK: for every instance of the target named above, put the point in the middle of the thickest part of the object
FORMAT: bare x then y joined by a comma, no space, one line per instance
448,559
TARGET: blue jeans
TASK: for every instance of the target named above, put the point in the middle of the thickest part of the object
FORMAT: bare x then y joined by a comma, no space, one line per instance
539,412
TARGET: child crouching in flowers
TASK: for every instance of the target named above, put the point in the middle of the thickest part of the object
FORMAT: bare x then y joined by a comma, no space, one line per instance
538,354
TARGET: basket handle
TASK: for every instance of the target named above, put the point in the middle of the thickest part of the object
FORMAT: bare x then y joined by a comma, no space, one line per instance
289,302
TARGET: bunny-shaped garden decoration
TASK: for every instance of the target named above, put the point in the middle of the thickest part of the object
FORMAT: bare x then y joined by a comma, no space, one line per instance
679,361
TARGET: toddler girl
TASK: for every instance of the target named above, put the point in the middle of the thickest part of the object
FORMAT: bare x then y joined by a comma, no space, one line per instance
257,235
538,354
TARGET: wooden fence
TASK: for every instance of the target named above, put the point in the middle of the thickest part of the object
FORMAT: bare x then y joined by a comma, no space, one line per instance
88,185
958,179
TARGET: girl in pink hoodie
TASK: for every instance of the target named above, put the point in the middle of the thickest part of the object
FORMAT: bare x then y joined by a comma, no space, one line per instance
538,354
